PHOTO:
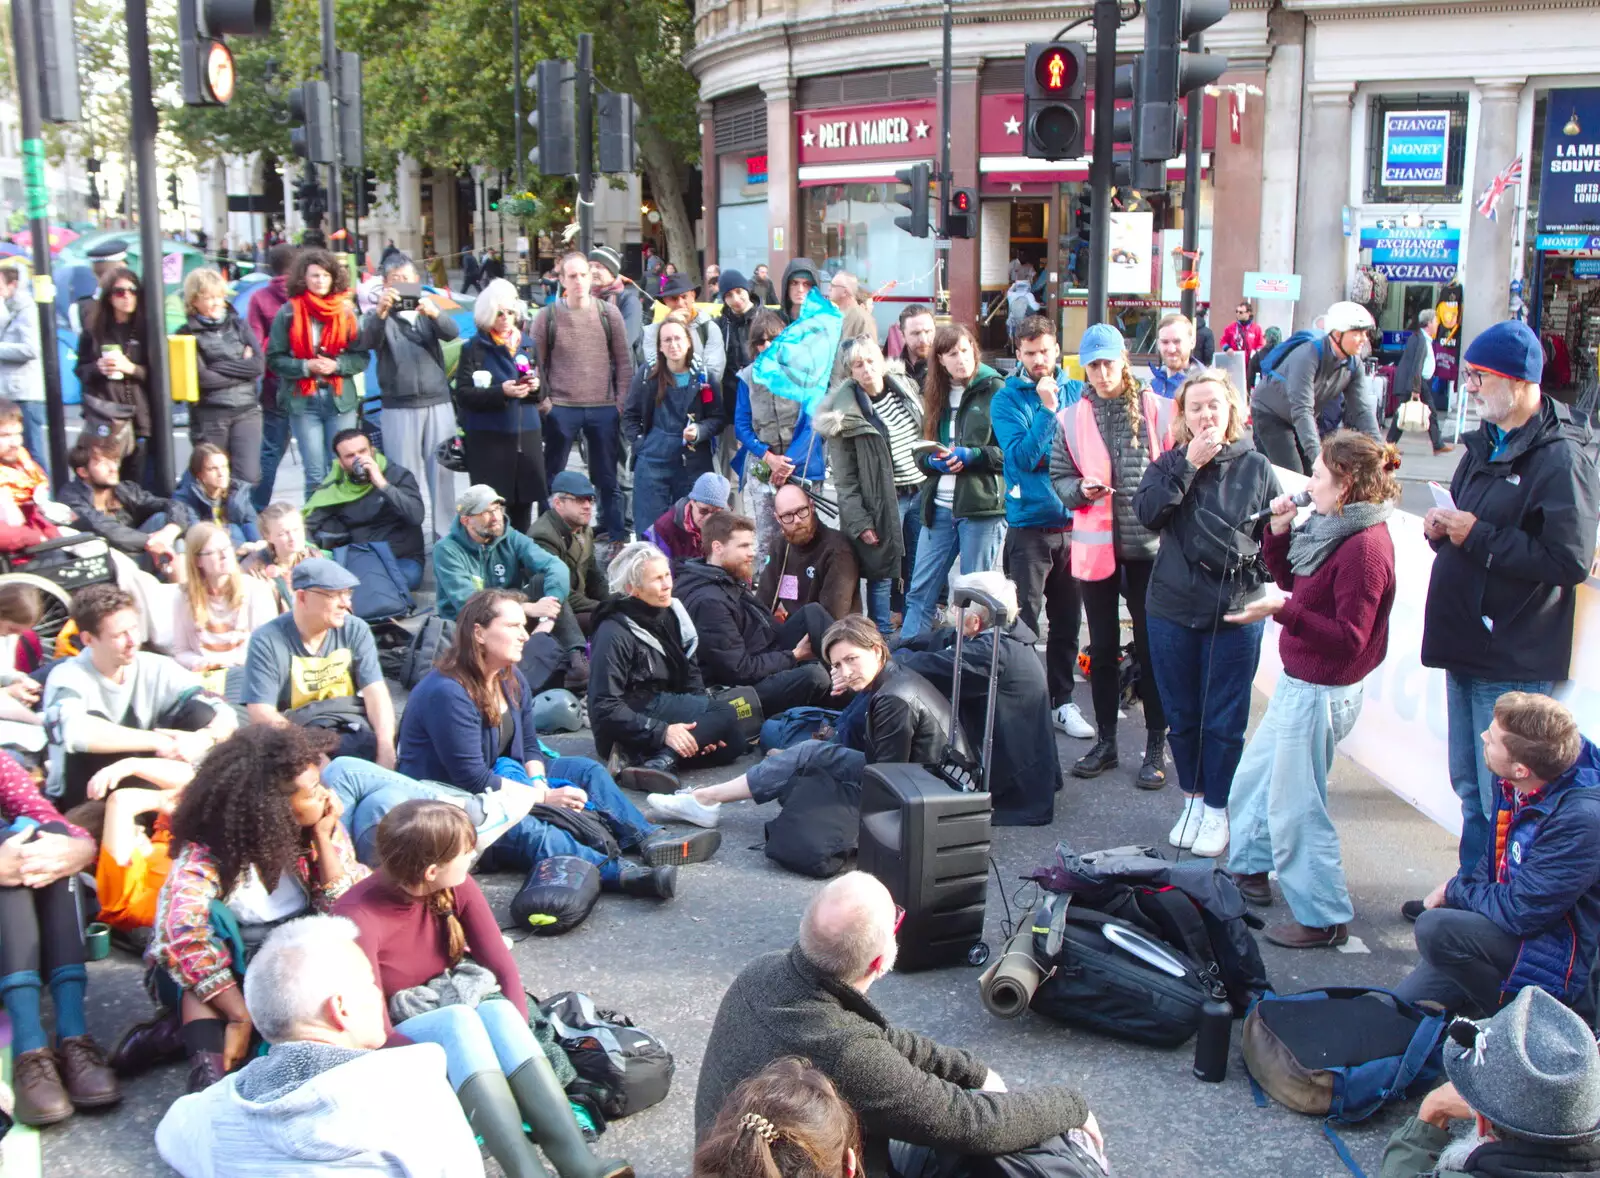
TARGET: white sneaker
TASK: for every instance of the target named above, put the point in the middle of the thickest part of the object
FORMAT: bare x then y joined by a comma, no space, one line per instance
682,807
1070,720
503,808
1188,824
1213,837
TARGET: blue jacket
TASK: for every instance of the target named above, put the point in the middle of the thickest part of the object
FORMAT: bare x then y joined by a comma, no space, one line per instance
1165,384
443,736
1026,430
238,513
808,452
1551,894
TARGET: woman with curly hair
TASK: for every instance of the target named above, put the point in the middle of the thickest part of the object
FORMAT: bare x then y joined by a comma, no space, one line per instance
256,840
448,978
1097,461
786,1121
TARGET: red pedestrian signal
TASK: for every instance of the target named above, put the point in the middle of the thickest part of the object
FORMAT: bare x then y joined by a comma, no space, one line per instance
1056,70
1054,107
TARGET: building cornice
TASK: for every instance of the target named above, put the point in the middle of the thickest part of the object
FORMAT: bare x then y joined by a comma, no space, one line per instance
1347,10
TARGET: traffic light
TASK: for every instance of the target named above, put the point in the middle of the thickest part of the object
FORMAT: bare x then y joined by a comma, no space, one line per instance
961,213
494,200
1053,83
352,153
616,115
59,100
554,118
1130,169
311,106
205,60
1168,72
916,177
311,199
92,200
172,189
366,191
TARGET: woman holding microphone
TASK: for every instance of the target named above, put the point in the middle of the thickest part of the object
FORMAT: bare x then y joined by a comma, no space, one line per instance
1339,565
1202,497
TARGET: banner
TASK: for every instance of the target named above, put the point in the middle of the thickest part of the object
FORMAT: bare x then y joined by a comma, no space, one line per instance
1422,254
1416,148
1131,238
1569,188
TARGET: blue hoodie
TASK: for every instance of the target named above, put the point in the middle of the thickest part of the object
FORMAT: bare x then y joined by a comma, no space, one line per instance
1026,430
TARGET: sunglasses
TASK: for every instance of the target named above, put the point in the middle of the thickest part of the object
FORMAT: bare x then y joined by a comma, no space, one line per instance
124,290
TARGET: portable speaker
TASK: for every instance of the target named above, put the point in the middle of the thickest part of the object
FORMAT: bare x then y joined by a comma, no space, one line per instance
929,845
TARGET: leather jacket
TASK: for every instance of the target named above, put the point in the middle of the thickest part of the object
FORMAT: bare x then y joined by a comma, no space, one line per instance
908,720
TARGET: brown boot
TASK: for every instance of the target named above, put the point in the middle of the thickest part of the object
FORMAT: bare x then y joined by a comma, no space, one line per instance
41,1098
205,1069
147,1044
1292,935
1254,886
90,1081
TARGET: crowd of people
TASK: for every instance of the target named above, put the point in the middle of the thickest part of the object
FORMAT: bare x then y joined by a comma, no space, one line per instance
290,847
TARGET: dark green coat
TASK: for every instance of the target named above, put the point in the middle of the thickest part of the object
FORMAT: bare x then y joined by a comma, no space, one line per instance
290,369
863,474
981,486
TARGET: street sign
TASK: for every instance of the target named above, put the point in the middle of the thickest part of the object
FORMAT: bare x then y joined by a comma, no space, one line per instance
1564,242
1284,287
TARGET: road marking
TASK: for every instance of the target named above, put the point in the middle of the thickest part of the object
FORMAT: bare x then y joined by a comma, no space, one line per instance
1354,945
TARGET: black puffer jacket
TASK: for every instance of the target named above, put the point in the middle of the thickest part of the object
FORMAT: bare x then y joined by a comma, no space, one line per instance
626,673
736,344
227,377
1130,455
741,644
1196,512
908,720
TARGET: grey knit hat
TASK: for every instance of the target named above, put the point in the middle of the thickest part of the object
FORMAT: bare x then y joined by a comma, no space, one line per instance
1531,1070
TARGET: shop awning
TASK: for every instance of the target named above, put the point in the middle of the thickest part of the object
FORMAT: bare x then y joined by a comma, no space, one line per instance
1019,169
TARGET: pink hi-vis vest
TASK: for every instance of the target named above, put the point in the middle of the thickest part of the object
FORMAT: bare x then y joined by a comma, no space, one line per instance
1094,554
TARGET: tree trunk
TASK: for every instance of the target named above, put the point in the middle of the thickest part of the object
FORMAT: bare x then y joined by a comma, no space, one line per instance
661,167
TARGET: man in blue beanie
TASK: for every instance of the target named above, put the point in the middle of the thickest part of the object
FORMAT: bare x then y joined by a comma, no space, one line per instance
1510,554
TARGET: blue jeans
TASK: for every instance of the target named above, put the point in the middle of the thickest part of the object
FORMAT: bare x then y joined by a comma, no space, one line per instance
368,792
493,1036
1469,707
274,442
35,438
314,427
772,778
601,427
880,590
532,840
1278,813
977,540
1204,682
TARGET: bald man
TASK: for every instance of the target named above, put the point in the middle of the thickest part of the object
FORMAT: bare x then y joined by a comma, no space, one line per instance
844,290
811,1001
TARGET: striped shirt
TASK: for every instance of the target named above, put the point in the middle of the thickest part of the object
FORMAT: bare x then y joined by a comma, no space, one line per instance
903,431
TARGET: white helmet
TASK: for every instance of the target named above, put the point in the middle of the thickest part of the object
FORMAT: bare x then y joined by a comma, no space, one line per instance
1347,316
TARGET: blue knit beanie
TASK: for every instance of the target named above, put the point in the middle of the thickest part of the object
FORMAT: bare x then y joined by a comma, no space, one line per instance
1508,349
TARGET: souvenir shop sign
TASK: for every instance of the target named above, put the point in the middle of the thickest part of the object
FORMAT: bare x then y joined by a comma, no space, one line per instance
1422,254
1416,148
1569,189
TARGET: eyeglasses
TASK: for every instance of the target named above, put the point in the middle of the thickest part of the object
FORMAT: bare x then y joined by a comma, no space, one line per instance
899,917
1473,378
798,514
124,290
344,596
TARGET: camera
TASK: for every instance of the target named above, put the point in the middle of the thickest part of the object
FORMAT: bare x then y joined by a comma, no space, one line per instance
410,294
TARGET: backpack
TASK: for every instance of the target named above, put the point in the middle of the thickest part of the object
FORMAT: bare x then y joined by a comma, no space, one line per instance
1270,362
432,637
382,592
622,1068
817,830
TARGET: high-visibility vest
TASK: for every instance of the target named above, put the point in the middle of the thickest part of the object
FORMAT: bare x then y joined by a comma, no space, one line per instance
1094,554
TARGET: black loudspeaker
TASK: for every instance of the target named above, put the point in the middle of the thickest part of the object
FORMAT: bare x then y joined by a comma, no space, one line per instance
929,845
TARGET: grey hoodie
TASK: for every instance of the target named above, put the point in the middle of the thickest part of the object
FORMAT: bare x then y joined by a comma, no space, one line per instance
796,266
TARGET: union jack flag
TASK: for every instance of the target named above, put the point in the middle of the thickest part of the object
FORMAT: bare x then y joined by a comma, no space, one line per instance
1489,202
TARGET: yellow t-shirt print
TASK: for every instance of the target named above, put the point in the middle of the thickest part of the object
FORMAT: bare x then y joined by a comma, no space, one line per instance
320,676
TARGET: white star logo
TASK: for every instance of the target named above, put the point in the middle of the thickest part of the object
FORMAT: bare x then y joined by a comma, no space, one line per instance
1013,126
921,129
1016,186
806,137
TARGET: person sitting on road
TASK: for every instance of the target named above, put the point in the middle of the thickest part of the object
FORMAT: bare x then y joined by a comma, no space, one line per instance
283,530
217,610
1290,400
132,520
212,494
566,532
23,481
322,1090
677,531
469,723
320,654
112,698
811,1001
647,700
40,946
420,916
811,562
366,499
742,644
257,840
1528,912
896,717
786,1121
1527,1081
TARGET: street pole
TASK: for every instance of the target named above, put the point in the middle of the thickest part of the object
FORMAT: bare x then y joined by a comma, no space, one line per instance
330,71
153,304
942,273
24,38
585,142
1106,22
1191,180
516,87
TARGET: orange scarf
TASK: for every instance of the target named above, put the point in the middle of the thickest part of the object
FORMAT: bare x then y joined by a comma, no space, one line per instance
338,329
507,339
19,482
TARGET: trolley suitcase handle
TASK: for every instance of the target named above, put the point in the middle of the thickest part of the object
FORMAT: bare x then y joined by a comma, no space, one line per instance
997,611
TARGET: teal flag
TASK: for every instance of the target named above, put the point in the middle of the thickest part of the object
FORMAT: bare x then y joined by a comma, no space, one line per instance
798,364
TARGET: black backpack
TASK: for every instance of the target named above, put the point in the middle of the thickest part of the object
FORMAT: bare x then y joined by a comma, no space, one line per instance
620,1067
431,637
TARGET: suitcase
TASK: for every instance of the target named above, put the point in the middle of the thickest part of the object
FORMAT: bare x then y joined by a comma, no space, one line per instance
925,833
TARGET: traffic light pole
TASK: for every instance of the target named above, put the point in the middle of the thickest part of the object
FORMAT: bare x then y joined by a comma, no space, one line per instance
516,87
1107,19
24,38
1191,181
330,71
153,303
585,80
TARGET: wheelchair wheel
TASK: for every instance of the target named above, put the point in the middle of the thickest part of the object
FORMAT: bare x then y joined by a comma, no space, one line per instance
55,607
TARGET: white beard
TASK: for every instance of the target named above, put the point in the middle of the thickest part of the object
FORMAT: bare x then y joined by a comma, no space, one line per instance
1455,1155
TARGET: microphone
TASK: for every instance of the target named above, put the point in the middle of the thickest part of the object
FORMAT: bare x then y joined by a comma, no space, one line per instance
1301,499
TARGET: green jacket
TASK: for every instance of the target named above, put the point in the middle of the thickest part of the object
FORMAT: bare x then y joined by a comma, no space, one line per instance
981,485
575,549
462,566
290,369
863,473
1413,1152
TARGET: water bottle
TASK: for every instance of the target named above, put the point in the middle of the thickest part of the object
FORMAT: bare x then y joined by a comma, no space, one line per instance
1212,1043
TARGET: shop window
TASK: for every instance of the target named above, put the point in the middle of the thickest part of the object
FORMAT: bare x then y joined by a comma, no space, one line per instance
1381,107
851,227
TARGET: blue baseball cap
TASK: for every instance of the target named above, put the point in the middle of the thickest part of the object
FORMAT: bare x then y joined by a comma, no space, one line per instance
1101,342
574,483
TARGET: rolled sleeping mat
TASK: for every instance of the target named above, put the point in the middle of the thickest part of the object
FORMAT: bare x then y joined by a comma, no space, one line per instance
1007,986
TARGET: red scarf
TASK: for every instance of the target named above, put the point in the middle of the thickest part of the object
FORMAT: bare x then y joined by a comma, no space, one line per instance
338,329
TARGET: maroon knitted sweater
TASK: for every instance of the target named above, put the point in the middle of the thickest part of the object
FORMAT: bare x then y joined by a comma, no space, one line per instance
1336,626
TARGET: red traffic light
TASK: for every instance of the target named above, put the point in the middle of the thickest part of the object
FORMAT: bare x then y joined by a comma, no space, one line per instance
1055,70
961,201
